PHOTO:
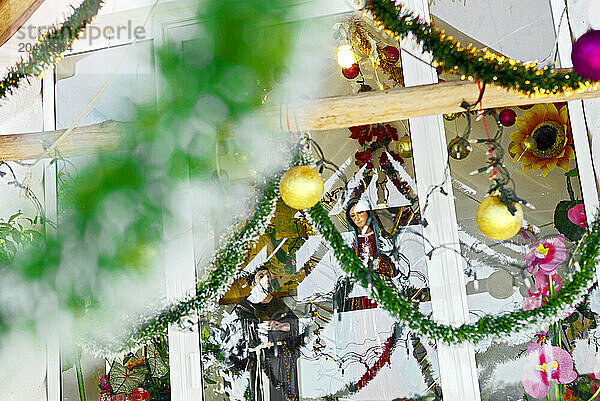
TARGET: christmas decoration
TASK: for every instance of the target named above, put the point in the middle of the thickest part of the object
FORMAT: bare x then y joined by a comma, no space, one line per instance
384,58
391,54
50,46
459,148
496,221
499,326
508,117
469,62
389,67
384,358
525,106
404,147
586,55
451,116
502,185
351,72
301,187
543,139
502,326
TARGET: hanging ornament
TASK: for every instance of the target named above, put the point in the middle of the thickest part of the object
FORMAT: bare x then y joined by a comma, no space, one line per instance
451,116
345,56
586,55
507,117
404,147
495,220
351,72
391,54
301,187
459,148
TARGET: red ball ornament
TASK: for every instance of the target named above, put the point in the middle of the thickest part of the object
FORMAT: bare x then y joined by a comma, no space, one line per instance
351,72
586,55
391,54
525,106
508,117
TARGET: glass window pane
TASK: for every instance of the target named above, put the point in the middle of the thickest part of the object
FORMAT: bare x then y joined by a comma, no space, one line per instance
512,264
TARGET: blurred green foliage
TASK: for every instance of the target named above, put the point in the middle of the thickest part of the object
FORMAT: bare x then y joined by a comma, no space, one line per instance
115,207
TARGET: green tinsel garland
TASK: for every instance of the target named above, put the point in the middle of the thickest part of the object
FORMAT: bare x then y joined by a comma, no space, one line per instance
223,269
471,62
499,326
50,46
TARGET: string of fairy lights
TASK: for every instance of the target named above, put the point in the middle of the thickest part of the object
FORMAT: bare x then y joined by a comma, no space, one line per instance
472,63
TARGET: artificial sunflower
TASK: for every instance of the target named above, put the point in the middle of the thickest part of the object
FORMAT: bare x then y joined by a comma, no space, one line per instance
543,140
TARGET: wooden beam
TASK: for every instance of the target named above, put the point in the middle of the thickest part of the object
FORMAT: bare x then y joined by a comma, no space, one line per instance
103,137
13,14
403,103
321,114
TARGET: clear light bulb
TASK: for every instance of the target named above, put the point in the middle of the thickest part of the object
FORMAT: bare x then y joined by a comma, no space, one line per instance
346,56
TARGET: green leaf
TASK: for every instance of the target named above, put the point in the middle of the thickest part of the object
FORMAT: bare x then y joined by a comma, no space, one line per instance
205,335
572,173
562,223
14,216
158,367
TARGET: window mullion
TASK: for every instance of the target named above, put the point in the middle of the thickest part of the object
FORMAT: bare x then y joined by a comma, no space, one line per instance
458,372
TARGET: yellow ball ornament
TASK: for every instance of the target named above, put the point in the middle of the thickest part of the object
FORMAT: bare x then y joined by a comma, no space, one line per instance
495,221
459,148
301,187
404,147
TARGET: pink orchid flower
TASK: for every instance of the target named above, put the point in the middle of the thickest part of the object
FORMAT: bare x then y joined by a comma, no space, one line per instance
546,364
546,254
577,215
542,293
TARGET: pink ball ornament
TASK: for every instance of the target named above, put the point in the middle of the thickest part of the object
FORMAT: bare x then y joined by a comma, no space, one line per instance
391,54
508,117
586,55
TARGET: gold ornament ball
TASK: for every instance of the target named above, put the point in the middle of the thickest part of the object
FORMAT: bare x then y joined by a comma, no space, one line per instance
451,116
301,187
459,148
495,221
404,147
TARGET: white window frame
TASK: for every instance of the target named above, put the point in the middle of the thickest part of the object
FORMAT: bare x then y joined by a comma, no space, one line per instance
184,351
458,373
